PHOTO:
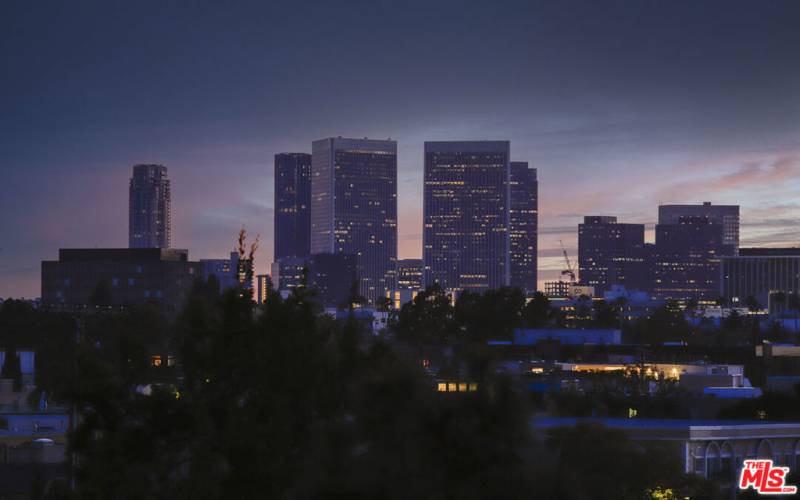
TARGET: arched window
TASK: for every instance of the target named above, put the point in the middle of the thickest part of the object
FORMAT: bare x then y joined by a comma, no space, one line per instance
764,449
713,464
698,460
727,465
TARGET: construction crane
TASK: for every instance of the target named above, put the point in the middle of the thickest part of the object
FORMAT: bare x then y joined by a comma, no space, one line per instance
568,271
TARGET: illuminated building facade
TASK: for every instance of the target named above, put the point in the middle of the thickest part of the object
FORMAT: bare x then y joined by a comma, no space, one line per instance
611,253
288,273
354,207
149,205
686,260
523,226
292,205
466,214
263,283
758,273
409,274
726,216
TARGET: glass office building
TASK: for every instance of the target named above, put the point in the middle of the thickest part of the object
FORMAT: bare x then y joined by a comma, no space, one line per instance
466,215
292,205
523,226
354,207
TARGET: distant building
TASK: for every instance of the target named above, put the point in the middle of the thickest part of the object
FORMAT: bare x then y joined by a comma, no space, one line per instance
288,273
354,207
565,289
571,336
117,277
27,364
632,304
292,205
331,276
759,273
149,208
686,260
397,298
223,270
611,253
466,215
523,226
263,283
713,449
726,216
409,274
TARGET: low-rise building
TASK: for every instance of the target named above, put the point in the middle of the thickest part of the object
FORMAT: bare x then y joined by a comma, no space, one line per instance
97,278
714,449
531,336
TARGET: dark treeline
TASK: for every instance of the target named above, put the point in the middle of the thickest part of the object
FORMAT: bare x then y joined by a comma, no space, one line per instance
279,401
433,318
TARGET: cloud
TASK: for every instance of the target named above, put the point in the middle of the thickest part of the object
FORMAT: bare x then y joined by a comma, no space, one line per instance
749,175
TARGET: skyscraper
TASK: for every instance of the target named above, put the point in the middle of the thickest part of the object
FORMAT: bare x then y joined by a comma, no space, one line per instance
523,226
149,216
292,205
466,214
726,216
354,207
686,260
611,253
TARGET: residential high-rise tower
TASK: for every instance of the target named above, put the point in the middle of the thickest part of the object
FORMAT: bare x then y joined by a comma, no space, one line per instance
149,212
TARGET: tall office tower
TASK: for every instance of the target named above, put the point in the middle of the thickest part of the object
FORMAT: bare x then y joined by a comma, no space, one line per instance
292,205
466,211
523,226
149,216
725,215
611,253
331,276
354,207
409,274
686,260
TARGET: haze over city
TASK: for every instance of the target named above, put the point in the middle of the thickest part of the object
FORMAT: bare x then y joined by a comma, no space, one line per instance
619,105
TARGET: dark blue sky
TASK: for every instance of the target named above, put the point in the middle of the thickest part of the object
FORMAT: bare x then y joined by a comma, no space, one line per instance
619,105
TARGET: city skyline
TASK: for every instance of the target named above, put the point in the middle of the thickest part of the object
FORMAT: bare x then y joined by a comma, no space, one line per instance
695,112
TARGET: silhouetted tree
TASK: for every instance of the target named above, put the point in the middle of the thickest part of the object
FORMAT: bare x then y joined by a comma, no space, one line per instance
427,318
537,312
11,366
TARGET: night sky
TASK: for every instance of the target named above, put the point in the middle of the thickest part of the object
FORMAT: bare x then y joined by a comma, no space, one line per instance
620,105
